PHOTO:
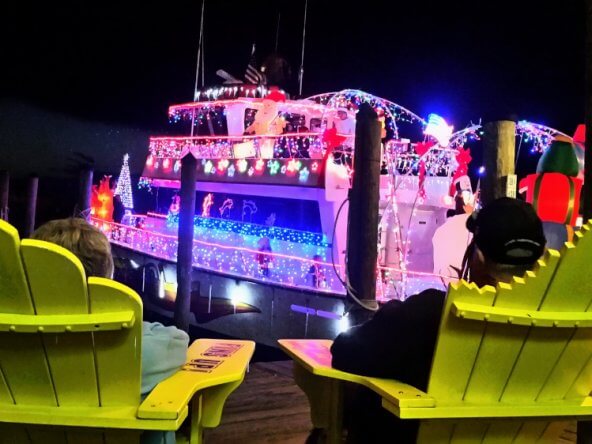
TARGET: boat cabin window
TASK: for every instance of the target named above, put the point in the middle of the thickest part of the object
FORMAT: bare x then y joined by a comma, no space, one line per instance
294,214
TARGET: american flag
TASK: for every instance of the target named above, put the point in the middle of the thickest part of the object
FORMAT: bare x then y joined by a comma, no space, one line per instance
252,74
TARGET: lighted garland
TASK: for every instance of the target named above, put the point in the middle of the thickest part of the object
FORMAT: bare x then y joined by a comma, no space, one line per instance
353,98
540,136
229,253
301,145
249,229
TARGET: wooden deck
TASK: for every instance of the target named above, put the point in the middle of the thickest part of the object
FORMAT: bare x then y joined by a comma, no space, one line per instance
268,407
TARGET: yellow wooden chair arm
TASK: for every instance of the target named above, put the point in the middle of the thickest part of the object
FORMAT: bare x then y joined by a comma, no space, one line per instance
314,356
20,323
531,318
170,398
549,409
81,416
400,394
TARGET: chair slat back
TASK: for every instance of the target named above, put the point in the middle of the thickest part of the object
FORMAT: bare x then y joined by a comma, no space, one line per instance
97,368
119,352
500,345
516,364
25,377
58,285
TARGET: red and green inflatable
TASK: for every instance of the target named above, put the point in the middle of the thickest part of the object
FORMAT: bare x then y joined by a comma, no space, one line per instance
554,191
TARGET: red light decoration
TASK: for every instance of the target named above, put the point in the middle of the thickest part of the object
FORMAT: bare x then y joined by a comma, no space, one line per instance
206,205
554,196
102,200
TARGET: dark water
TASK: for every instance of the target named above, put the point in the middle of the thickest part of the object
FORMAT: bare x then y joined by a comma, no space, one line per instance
263,353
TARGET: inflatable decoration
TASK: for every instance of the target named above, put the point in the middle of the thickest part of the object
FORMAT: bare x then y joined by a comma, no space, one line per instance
101,205
554,191
267,121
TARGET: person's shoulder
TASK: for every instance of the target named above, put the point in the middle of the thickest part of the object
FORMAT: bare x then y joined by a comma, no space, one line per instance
430,293
428,303
157,329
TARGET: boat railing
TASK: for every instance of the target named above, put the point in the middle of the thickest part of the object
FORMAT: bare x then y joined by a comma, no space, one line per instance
234,258
288,145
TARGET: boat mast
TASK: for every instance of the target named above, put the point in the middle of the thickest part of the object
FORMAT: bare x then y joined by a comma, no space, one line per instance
199,51
199,59
301,73
277,31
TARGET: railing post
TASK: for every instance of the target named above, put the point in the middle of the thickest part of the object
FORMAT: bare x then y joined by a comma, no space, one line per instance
185,245
84,193
499,148
4,187
362,235
32,186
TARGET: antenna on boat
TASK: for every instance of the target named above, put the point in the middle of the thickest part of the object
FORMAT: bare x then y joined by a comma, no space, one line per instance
301,73
199,53
277,32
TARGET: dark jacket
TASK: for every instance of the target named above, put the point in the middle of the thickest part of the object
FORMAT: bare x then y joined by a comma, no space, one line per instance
397,343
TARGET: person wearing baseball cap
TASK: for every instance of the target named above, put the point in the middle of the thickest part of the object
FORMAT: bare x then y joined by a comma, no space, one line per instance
508,239
399,341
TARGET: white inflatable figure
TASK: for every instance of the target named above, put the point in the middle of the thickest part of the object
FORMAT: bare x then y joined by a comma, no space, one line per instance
450,242
267,121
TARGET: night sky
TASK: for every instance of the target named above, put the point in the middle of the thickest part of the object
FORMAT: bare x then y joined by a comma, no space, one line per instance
122,64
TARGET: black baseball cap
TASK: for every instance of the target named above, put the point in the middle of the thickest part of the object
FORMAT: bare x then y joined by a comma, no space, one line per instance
508,231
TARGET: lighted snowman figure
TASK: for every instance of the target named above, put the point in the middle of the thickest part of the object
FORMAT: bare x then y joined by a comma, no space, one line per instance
267,121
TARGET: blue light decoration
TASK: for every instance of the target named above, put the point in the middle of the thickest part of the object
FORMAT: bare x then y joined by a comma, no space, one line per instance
145,183
256,230
438,129
304,174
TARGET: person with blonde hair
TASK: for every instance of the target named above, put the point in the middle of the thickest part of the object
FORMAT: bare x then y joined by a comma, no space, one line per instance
164,349
86,241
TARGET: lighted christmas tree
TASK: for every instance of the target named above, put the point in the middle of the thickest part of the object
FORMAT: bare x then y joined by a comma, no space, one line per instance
124,185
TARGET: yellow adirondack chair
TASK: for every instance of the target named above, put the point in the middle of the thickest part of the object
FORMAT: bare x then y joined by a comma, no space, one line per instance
510,363
70,357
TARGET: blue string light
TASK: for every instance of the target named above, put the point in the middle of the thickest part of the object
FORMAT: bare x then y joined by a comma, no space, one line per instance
256,230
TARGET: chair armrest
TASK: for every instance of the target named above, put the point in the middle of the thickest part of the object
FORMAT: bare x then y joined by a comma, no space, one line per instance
400,394
314,356
211,363
531,318
21,323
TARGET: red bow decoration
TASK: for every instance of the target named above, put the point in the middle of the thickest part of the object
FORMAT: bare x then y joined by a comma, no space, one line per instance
463,158
276,96
422,148
332,139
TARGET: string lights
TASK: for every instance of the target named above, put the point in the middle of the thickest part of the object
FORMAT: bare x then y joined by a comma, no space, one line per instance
255,230
124,185
299,145
237,255
289,171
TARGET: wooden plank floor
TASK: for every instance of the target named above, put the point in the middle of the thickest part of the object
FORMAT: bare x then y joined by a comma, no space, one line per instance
268,407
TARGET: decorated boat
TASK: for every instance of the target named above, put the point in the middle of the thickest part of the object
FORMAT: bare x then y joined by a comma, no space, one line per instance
270,226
